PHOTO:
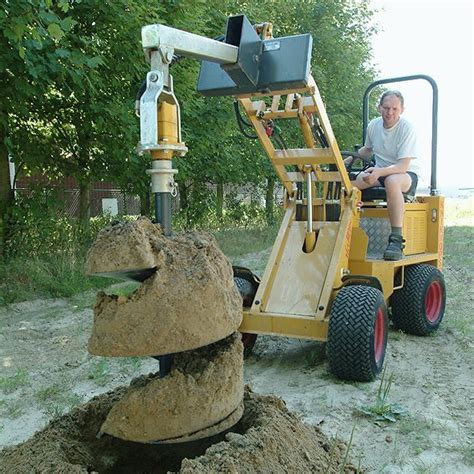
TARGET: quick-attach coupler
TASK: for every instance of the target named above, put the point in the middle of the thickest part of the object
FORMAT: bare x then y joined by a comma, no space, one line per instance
161,174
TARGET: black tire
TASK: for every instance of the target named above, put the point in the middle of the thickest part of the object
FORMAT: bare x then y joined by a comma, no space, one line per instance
418,307
247,290
248,340
357,336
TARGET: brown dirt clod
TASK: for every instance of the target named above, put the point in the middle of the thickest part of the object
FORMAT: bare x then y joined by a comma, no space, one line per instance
191,301
203,389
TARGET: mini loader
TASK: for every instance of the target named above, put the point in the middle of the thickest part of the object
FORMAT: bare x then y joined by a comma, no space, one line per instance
325,279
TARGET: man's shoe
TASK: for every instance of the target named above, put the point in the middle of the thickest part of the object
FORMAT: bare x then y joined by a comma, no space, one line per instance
394,250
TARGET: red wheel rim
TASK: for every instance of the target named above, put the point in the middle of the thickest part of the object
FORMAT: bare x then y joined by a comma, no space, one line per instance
433,301
379,335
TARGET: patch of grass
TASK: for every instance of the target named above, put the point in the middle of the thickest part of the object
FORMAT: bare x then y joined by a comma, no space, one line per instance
13,382
99,371
26,278
125,289
13,409
130,365
459,211
468,455
381,410
418,430
57,408
62,274
396,335
47,393
396,456
422,468
56,400
346,454
411,424
83,300
238,242
458,270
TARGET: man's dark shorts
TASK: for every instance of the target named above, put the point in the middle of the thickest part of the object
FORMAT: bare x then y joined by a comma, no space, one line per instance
414,183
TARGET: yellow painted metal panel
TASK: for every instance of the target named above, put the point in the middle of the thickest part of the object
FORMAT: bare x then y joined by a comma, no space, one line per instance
339,258
273,264
435,226
330,176
299,281
381,210
284,325
304,156
359,244
414,231
385,270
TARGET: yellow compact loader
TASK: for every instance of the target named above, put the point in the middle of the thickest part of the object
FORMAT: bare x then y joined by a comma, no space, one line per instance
325,279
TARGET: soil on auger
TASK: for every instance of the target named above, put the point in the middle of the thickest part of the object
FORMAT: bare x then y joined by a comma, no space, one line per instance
202,395
268,438
189,301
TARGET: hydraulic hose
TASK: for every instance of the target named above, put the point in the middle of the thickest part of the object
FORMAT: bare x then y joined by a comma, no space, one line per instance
241,122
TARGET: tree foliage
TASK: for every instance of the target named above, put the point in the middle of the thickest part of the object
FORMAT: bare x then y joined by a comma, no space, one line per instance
341,65
70,70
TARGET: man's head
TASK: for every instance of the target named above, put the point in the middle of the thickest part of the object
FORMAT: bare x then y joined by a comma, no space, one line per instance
391,106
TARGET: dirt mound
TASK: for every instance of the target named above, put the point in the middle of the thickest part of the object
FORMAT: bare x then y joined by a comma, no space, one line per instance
267,439
191,301
204,388
125,246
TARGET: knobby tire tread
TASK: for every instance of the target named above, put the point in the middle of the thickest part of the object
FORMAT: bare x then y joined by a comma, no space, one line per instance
408,303
350,336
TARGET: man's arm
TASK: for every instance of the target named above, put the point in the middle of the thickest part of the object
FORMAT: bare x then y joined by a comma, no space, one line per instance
375,173
364,152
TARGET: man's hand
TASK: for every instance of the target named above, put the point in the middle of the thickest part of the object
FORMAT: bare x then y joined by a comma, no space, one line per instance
373,175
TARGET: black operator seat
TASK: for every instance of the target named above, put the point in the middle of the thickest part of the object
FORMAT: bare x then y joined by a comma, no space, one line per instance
377,193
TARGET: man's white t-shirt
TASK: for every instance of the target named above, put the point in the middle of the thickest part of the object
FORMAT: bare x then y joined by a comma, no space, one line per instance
392,144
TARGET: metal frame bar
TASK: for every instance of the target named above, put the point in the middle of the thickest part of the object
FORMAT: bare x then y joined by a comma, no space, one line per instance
188,44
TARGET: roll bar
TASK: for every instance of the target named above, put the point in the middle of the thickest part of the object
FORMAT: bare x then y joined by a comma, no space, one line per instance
434,117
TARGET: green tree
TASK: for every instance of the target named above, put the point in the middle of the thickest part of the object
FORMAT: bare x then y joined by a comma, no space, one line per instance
28,34
84,124
70,71
341,65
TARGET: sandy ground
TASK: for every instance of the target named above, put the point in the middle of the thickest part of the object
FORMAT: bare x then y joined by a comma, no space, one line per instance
46,370
43,353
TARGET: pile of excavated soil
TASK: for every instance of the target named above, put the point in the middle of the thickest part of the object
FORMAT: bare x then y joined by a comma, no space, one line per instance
191,301
201,395
267,439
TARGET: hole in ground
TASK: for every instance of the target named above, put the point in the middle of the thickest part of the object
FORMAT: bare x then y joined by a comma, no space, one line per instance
71,441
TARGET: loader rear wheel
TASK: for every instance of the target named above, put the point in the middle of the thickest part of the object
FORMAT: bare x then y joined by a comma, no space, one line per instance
357,337
418,307
248,340
247,290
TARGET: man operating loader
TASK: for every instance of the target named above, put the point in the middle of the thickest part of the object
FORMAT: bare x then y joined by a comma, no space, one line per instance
392,140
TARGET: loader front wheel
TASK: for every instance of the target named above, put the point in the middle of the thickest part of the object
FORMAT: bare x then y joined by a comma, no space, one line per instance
357,336
418,307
